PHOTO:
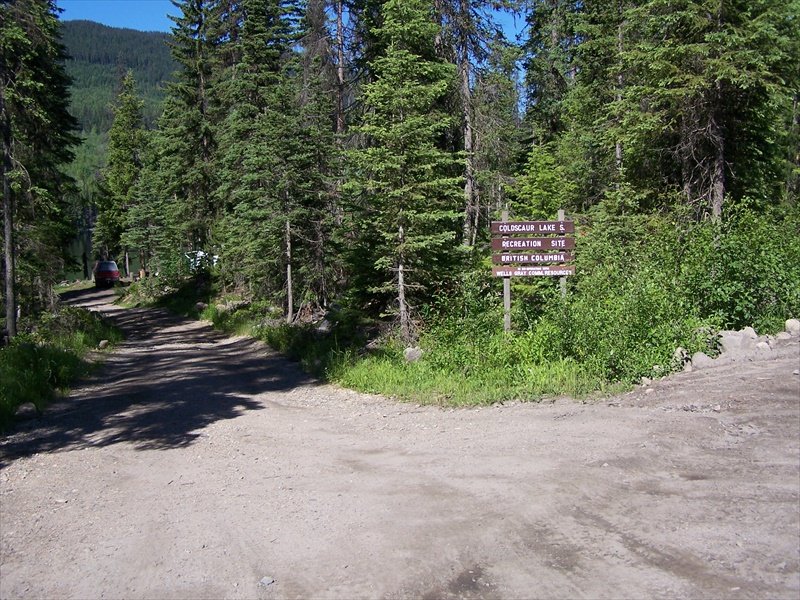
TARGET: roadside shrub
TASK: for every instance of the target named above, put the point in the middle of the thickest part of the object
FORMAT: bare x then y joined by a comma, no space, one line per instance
47,359
75,329
626,329
30,372
177,294
320,353
745,270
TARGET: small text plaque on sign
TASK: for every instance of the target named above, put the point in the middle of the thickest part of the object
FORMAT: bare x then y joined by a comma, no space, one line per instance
541,243
543,227
531,271
528,258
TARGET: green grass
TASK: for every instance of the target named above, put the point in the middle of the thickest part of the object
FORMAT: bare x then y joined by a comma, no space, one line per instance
459,371
424,383
44,361
76,286
179,297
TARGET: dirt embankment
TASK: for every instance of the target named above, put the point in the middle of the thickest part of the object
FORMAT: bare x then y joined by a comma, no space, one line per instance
199,466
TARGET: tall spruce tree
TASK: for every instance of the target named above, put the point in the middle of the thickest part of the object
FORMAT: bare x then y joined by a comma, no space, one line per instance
496,102
37,136
592,108
549,64
468,31
188,127
318,161
146,227
258,140
405,192
710,83
124,164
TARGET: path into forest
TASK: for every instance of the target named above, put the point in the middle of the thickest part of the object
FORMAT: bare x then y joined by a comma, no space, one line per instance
195,465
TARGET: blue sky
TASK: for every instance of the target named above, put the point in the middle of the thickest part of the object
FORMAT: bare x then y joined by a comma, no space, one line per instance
144,15
151,15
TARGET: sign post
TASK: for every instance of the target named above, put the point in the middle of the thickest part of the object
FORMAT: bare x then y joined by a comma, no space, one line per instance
562,282
544,256
506,293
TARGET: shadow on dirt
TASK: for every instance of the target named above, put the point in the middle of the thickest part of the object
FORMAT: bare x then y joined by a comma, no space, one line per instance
91,298
168,380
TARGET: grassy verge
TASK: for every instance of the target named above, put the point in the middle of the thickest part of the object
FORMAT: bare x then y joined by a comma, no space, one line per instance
645,287
181,297
46,360
83,284
462,370
425,383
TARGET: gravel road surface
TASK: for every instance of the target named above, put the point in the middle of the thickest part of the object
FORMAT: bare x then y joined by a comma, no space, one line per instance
195,465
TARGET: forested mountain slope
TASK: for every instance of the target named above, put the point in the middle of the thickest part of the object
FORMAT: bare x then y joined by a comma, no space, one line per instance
100,56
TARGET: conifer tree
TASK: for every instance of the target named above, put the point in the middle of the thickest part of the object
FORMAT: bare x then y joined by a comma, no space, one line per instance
258,137
319,159
468,31
37,136
549,64
124,164
188,127
710,82
146,226
404,187
498,141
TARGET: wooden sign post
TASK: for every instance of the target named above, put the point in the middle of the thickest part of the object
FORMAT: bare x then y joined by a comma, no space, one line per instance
542,256
562,282
506,293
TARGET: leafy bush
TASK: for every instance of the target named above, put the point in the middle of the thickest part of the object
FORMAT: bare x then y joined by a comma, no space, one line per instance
746,270
645,285
48,358
177,294
30,372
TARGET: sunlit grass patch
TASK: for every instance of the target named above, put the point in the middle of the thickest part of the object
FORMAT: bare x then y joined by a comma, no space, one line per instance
45,361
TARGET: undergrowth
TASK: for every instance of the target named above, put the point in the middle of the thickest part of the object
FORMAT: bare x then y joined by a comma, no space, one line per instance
645,286
47,358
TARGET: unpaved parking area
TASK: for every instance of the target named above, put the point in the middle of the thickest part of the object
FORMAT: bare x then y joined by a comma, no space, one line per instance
198,466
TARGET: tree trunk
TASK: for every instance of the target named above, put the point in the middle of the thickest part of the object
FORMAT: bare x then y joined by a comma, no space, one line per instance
718,172
793,158
470,208
405,328
8,221
618,95
340,121
717,142
718,175
289,289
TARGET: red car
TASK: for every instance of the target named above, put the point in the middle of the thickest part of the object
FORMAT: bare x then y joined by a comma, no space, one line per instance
106,273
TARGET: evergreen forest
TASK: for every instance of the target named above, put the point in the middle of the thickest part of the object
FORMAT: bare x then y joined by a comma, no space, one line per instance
98,59
324,173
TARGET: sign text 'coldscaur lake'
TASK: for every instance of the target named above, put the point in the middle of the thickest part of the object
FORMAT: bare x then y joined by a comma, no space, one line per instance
544,227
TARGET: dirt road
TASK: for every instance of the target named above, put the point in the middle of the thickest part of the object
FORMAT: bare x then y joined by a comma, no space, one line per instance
199,466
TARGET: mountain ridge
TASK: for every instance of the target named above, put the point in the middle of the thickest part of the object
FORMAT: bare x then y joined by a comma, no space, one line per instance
99,56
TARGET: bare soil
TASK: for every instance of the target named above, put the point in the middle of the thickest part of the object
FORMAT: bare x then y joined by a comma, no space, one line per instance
194,465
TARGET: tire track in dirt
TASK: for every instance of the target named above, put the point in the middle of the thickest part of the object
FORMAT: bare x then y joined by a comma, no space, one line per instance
193,465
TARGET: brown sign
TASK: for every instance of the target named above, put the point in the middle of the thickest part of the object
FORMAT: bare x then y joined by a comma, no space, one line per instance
552,257
517,227
551,243
544,271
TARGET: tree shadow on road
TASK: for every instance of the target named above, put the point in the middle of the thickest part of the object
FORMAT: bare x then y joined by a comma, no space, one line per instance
170,379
